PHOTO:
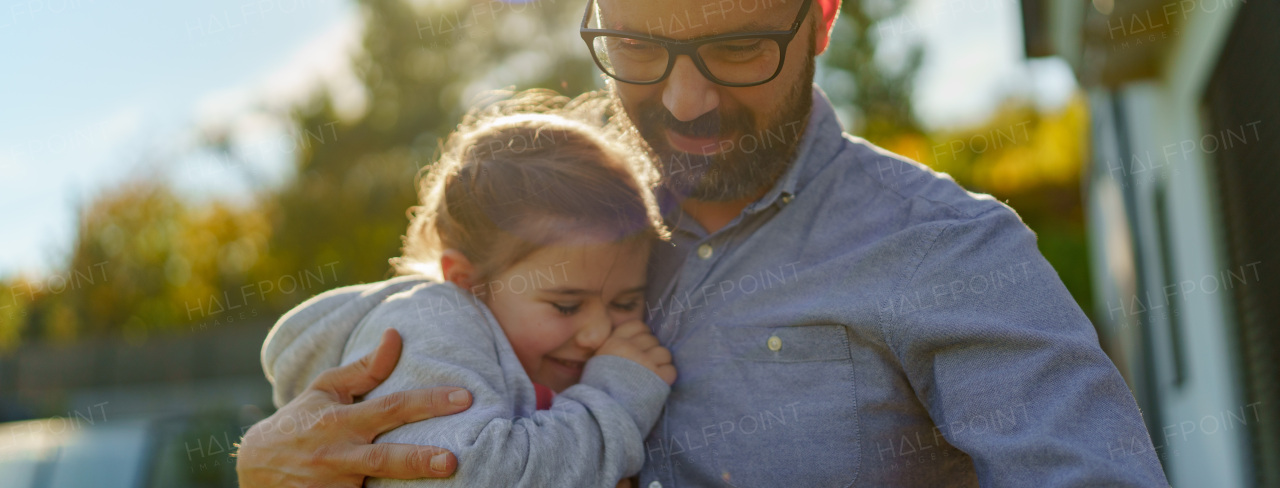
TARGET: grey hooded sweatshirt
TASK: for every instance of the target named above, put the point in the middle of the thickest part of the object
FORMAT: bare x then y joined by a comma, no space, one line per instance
592,435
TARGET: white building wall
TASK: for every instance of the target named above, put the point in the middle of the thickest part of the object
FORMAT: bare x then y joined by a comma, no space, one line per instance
1200,432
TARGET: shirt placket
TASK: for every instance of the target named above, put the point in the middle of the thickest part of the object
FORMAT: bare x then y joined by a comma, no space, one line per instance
699,262
698,265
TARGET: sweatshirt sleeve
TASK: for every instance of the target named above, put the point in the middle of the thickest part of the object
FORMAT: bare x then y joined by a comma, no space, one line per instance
592,436
311,338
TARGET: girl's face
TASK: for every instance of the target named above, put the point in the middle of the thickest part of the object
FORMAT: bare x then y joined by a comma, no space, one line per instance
560,304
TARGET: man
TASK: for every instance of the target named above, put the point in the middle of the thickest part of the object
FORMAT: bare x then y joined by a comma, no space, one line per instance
838,315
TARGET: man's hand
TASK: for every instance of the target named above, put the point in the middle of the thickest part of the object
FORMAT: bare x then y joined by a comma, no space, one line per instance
321,439
633,341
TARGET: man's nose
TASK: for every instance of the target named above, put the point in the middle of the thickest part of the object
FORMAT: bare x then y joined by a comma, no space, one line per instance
688,94
594,332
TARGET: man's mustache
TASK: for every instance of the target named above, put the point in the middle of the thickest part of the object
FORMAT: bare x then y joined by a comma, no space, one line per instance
709,125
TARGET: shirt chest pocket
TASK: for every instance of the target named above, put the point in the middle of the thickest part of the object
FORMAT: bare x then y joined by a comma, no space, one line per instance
784,406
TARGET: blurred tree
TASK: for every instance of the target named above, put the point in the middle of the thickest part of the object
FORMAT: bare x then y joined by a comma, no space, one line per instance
143,260
166,263
870,69
170,264
421,63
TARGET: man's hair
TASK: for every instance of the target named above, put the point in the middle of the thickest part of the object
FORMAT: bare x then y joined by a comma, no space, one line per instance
523,172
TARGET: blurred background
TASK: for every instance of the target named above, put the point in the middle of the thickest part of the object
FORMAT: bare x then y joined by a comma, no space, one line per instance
174,176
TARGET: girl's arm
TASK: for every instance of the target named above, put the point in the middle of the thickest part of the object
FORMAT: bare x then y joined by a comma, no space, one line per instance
592,436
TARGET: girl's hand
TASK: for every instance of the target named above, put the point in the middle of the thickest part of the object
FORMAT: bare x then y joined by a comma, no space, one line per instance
633,341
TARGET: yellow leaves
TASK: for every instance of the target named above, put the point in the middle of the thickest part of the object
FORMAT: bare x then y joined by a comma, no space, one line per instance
1017,151
1008,172
62,325
914,146
145,260
177,270
13,314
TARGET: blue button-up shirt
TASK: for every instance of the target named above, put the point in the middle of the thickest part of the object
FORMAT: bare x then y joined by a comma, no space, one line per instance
869,322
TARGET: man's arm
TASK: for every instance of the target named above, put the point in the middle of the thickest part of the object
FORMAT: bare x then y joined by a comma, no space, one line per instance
1010,368
321,439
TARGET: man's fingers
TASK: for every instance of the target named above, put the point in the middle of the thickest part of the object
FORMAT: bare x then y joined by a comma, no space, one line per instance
378,415
346,382
397,461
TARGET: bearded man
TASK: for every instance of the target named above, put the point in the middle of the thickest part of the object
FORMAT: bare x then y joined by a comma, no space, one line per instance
839,315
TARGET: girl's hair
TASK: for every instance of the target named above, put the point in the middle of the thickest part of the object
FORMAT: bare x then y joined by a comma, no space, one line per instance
521,173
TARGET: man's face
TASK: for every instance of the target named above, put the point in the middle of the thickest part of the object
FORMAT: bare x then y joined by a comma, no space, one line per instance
712,142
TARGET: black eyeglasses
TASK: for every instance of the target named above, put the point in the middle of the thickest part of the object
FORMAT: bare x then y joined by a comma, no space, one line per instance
736,60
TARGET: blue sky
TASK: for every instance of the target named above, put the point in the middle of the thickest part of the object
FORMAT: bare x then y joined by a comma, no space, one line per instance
93,92
90,88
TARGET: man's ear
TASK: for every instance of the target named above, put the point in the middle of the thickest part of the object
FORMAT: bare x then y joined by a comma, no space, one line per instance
457,269
822,34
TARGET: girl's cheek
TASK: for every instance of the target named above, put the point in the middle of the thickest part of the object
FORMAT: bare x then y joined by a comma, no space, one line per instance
536,339
550,334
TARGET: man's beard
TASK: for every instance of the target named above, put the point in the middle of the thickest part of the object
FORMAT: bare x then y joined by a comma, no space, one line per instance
752,158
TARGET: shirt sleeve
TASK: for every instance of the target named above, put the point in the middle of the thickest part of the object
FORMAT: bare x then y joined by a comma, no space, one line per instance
591,436
1005,335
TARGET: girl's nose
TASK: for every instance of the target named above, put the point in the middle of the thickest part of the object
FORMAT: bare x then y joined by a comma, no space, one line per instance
594,332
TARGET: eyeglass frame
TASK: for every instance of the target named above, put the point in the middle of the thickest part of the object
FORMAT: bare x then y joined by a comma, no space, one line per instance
690,47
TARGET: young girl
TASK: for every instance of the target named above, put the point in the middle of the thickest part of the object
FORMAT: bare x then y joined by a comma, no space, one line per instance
540,229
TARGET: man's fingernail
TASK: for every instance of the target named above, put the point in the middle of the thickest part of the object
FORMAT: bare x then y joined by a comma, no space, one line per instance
458,398
438,462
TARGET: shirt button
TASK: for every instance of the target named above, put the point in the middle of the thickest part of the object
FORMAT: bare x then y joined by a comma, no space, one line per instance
775,343
704,251
655,484
787,198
